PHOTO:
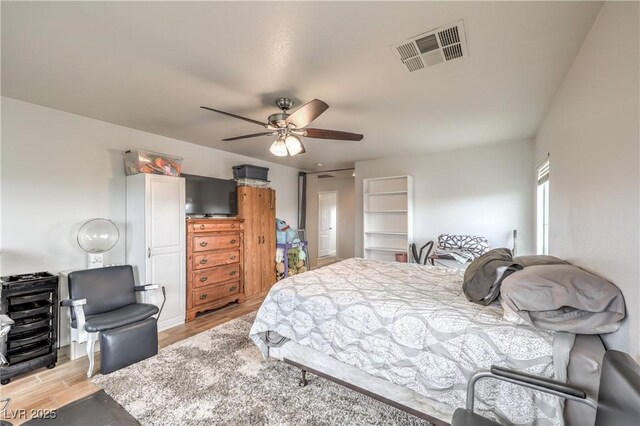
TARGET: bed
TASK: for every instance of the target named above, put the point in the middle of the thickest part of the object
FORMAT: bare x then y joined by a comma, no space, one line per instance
407,334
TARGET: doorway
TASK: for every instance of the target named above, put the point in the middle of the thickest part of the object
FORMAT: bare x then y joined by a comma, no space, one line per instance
327,223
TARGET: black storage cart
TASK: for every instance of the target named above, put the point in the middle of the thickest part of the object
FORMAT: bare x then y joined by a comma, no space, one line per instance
31,301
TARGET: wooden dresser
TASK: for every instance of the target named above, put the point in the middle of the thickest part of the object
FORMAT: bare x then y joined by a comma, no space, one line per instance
214,264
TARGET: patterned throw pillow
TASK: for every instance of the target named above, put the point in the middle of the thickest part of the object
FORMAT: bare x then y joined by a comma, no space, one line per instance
470,243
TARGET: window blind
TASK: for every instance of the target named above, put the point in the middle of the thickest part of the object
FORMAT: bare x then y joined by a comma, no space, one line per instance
543,172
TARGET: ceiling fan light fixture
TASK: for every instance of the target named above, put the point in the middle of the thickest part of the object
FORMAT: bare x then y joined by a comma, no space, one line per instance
289,127
293,144
279,148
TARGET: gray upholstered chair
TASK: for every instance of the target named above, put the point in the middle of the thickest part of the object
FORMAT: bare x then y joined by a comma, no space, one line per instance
618,395
104,299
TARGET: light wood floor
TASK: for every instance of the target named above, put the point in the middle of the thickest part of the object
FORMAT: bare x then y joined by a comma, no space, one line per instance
50,389
324,261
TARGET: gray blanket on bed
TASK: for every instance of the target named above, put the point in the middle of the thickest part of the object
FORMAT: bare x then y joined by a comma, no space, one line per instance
412,325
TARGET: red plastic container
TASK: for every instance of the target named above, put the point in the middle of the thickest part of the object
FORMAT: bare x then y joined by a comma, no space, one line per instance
401,257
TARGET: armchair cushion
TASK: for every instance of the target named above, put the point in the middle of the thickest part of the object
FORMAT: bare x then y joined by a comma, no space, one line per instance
619,390
119,317
105,289
127,345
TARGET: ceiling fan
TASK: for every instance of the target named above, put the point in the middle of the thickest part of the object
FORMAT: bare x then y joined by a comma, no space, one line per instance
289,127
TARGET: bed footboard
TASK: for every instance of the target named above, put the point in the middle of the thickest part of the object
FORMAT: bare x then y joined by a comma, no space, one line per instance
304,381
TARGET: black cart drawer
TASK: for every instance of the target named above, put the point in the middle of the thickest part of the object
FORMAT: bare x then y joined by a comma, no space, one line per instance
30,309
28,337
28,352
27,298
29,324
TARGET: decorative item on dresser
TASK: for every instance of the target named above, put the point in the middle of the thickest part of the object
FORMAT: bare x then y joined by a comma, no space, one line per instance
257,206
214,264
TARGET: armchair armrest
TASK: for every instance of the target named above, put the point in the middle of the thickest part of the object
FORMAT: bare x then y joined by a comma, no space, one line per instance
5,320
146,287
542,382
73,302
78,311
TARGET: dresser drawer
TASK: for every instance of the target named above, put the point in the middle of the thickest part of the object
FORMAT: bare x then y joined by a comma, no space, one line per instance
214,292
207,260
212,226
215,275
215,242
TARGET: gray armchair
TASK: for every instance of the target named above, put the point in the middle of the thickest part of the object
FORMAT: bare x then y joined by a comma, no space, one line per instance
104,299
618,395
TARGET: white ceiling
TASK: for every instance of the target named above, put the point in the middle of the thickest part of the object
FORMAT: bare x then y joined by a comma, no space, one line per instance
149,66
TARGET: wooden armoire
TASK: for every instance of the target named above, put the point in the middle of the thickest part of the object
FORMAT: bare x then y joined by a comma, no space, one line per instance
257,206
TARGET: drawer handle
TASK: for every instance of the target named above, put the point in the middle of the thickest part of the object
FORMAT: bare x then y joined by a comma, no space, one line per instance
232,257
232,225
203,243
203,261
232,288
203,279
233,272
232,241
203,296
201,226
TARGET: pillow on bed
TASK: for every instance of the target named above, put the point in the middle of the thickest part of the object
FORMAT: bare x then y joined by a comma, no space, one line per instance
539,259
484,275
564,298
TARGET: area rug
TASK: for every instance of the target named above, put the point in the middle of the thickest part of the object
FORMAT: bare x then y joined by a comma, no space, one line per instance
220,377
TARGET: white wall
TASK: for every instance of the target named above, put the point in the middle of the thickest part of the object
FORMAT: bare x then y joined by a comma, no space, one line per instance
486,191
346,203
60,169
592,132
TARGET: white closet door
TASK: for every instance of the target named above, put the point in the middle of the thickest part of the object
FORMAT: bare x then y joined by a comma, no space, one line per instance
166,245
327,218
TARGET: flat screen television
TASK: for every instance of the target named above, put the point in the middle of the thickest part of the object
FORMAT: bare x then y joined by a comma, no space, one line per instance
207,197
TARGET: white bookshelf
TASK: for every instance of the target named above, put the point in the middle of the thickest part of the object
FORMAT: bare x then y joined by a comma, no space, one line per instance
388,217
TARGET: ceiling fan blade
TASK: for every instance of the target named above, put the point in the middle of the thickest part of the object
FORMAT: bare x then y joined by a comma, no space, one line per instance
250,120
307,113
254,135
333,134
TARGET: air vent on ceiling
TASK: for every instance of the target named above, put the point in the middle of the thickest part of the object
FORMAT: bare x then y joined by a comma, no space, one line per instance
431,48
325,176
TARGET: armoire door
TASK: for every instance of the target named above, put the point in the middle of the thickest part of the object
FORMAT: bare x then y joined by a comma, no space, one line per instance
165,230
268,225
249,210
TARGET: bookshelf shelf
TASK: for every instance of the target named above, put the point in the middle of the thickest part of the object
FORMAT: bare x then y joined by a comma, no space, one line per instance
386,193
385,233
392,249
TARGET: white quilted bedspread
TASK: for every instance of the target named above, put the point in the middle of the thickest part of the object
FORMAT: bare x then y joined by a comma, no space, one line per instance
412,325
